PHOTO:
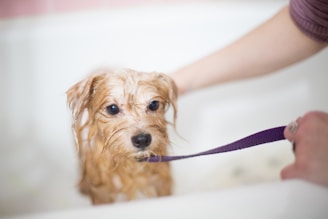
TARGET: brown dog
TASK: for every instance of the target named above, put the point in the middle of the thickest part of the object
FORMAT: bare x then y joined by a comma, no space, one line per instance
118,118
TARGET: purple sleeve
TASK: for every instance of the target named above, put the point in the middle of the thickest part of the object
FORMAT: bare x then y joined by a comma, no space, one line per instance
311,17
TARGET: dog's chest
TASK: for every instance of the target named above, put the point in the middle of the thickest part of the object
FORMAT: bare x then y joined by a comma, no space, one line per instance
134,185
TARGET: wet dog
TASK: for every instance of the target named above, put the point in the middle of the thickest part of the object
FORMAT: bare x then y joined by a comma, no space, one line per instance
118,119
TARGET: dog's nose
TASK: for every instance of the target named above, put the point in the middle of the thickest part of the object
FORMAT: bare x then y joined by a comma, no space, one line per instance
141,141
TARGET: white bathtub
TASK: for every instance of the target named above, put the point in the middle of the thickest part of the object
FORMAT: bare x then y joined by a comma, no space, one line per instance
41,57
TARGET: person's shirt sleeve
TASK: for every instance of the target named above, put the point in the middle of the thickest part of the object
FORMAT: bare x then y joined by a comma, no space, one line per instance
311,17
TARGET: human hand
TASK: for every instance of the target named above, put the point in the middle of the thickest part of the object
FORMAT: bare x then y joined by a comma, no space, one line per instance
310,139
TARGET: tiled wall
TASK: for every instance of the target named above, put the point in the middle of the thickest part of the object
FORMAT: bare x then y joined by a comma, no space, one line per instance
17,8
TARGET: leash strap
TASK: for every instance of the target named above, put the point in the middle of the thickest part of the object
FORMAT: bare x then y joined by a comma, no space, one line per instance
262,137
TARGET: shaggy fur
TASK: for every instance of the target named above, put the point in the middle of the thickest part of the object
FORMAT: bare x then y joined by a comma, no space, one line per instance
110,108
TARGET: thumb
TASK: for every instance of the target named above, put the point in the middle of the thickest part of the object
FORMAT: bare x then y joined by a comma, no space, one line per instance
289,172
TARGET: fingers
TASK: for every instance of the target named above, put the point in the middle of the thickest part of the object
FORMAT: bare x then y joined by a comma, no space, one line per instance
291,129
287,172
291,172
309,136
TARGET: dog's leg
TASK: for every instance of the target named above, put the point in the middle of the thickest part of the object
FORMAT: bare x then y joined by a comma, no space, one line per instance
164,183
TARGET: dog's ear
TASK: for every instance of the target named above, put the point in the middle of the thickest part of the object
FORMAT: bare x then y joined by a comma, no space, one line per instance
171,91
80,94
78,99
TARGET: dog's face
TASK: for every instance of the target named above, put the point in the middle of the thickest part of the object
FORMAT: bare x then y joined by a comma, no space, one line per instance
122,112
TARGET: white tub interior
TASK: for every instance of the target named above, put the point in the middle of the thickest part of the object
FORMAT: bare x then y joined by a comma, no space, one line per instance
41,57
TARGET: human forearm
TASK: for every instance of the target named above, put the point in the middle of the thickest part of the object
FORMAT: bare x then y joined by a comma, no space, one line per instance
273,45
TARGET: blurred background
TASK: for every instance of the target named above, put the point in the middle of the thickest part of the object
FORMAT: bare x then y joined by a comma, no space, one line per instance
48,45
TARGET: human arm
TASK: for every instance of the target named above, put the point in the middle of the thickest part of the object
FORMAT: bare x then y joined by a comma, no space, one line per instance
275,44
311,149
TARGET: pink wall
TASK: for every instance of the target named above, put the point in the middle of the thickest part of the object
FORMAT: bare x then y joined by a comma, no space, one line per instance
16,8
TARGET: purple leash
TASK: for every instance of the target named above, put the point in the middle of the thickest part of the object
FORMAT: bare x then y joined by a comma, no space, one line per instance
262,137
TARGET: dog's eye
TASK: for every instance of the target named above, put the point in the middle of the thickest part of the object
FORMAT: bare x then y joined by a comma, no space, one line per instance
154,105
113,109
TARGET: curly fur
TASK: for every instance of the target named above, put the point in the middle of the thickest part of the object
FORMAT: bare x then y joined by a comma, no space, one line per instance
108,160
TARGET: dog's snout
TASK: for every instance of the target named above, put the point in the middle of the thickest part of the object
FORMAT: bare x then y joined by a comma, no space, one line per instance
141,141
